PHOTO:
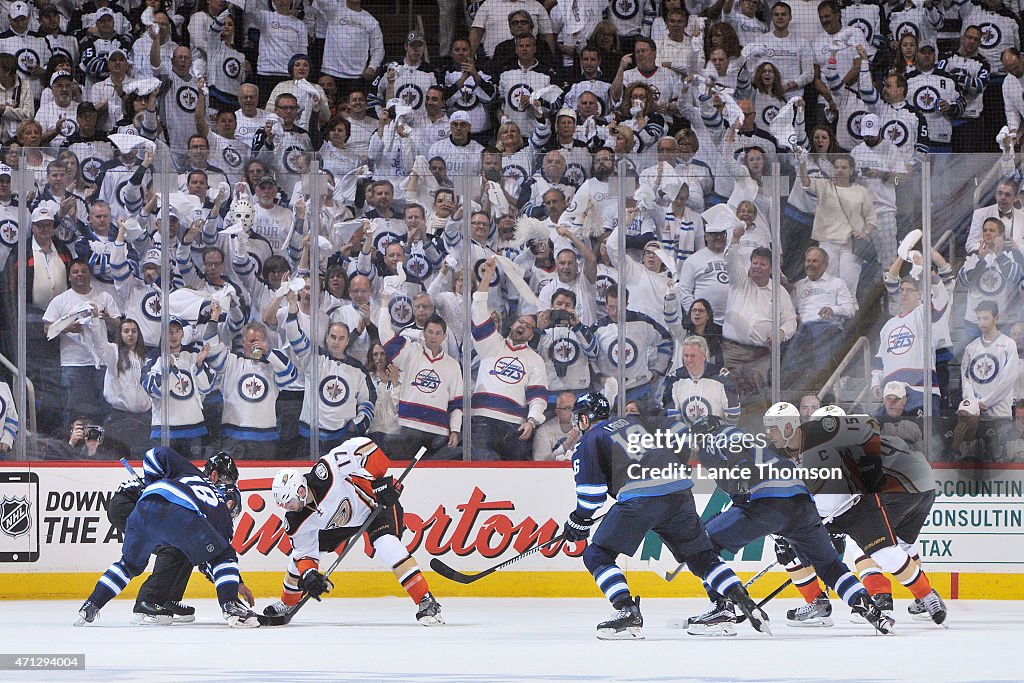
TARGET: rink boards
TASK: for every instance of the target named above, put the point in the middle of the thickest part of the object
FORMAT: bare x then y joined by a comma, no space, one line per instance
55,538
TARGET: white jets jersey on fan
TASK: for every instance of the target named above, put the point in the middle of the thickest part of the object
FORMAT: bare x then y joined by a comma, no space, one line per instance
186,387
648,349
345,392
705,275
922,23
515,83
925,91
692,399
178,100
250,388
999,30
971,75
901,355
511,383
989,371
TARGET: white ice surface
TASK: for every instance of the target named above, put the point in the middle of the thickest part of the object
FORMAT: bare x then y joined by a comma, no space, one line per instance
511,640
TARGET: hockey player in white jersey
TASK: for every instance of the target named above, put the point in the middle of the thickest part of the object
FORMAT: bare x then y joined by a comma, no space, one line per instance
327,505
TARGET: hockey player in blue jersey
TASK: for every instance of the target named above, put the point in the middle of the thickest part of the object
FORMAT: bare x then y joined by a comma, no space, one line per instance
608,460
771,500
181,508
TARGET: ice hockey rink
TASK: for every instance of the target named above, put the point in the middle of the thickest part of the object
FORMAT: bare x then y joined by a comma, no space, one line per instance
510,640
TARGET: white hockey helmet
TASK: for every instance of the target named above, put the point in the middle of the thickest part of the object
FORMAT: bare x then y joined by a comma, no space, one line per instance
783,415
286,486
243,212
358,448
830,410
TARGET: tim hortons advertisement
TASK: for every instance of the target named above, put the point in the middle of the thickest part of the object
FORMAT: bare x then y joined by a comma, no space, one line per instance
53,519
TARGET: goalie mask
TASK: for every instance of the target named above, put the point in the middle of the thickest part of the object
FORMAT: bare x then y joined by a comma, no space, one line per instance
243,212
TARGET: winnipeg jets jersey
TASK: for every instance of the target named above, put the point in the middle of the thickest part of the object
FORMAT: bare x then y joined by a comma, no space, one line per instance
925,91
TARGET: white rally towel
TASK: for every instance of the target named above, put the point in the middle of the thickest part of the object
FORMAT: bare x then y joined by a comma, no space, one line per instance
515,277
783,126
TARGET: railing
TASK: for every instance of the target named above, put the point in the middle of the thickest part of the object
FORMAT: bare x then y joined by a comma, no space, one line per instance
862,347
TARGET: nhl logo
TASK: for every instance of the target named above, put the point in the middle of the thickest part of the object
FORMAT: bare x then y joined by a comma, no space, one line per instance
15,519
829,423
210,547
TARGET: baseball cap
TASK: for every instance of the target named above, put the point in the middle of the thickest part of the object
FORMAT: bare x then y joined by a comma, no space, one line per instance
152,258
5,170
43,212
118,51
57,75
104,12
897,389
266,179
870,125
18,9
459,117
970,407
566,111
414,37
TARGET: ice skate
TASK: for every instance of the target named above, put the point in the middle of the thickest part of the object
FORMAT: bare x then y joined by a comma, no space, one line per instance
935,606
183,614
817,613
240,616
884,603
626,624
87,613
428,612
870,611
918,611
718,620
756,615
148,613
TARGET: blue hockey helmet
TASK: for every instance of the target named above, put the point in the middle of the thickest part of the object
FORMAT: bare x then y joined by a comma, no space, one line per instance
593,405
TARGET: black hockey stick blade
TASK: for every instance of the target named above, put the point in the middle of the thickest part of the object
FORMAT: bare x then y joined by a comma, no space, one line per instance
282,619
455,575
743,617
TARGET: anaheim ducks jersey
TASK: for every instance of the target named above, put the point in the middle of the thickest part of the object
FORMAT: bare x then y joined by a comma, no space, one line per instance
342,497
906,470
849,443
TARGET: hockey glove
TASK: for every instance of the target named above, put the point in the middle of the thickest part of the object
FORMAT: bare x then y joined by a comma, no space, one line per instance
577,528
315,583
871,473
784,552
386,491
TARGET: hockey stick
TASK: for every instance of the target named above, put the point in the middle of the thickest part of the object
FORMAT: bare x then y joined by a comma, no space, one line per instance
454,575
131,470
282,619
658,567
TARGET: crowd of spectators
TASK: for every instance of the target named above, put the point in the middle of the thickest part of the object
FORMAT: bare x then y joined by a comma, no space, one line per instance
571,195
